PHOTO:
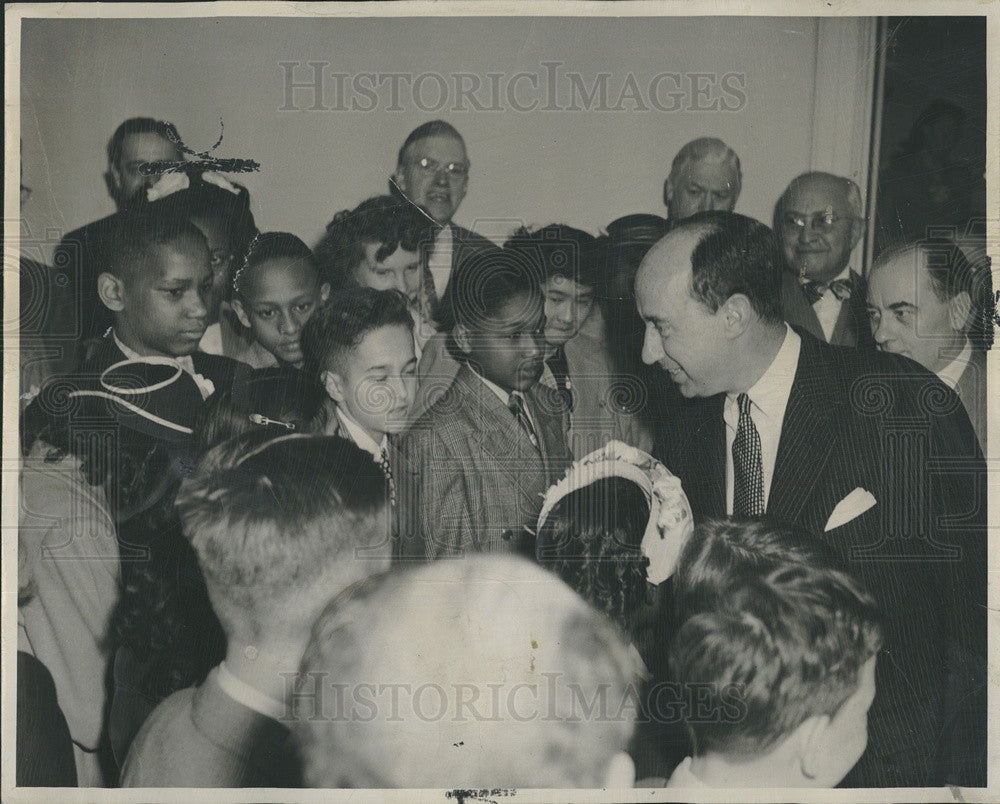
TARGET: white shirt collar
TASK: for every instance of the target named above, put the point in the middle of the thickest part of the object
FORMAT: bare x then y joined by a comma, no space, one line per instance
770,393
250,697
501,394
951,373
360,437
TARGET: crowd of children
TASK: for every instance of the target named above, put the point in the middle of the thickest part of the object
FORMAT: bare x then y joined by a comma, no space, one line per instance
229,511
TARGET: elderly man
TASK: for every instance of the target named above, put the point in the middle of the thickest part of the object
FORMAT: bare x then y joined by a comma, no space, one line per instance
779,424
432,171
705,175
819,220
922,304
81,253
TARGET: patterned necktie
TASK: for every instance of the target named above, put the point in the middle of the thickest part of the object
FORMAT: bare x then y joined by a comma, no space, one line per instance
560,370
387,469
842,289
516,404
748,467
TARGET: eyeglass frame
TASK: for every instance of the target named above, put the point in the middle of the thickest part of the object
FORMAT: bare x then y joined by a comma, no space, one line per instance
792,221
448,168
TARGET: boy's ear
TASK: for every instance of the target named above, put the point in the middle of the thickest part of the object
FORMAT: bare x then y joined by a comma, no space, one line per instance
813,741
461,336
620,772
334,385
241,314
111,290
324,291
668,192
959,308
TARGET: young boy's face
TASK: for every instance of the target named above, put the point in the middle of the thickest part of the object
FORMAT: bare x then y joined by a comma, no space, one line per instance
399,271
508,350
276,304
376,381
165,307
219,258
567,305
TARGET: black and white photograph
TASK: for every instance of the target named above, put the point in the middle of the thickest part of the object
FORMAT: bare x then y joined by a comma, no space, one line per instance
485,402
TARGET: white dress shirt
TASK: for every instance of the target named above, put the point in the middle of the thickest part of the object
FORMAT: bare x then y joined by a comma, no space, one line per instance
439,261
952,373
768,400
360,437
827,307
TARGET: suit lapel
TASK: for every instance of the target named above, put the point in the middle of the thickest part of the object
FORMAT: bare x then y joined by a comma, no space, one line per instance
797,309
702,463
808,436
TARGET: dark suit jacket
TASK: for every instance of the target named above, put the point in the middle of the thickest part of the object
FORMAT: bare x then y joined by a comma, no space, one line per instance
82,255
221,370
852,327
971,389
883,423
469,477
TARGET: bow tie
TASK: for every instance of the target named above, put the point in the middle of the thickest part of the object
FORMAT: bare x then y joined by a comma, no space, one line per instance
842,289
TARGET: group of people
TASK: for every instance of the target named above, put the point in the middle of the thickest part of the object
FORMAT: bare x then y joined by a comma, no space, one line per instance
689,503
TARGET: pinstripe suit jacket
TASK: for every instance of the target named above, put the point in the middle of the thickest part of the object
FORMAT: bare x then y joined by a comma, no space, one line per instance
469,478
883,423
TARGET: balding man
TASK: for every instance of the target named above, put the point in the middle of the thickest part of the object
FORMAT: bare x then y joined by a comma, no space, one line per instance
779,425
705,175
432,171
925,302
819,220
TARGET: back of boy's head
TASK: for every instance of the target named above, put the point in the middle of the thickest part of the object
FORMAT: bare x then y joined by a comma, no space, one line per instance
785,646
559,251
280,400
141,234
270,517
591,539
389,222
204,201
483,283
336,328
267,246
721,552
490,658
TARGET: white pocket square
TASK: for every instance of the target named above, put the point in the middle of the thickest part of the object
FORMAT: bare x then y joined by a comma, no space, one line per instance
853,505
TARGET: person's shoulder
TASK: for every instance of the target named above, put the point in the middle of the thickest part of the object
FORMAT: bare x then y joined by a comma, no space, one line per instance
163,744
92,232
471,238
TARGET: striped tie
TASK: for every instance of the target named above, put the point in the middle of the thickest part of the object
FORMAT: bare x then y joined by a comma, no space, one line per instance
521,414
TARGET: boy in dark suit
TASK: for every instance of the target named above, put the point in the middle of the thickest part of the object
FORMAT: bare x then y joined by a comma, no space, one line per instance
277,524
157,283
476,463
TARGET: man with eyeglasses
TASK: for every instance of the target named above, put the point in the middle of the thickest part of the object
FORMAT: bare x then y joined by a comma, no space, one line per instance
819,220
83,252
432,171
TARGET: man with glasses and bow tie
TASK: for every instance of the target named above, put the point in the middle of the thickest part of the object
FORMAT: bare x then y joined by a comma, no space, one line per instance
432,171
819,220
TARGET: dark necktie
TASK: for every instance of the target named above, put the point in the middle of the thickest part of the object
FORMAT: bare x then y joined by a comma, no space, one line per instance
842,289
748,467
560,370
383,461
516,404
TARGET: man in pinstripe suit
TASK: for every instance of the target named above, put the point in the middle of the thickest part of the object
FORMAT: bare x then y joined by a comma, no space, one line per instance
872,452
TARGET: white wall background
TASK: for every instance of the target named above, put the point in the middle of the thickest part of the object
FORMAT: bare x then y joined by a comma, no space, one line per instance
81,78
